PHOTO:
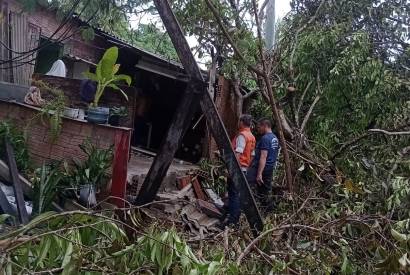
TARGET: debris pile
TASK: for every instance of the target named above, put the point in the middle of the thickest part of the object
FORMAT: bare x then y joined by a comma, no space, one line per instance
189,204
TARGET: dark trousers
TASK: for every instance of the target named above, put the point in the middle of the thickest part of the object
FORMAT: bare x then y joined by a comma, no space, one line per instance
262,192
234,205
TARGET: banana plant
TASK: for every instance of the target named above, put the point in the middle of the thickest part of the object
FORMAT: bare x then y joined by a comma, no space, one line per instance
106,75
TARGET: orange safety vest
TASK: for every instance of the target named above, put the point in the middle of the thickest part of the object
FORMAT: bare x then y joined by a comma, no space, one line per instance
246,157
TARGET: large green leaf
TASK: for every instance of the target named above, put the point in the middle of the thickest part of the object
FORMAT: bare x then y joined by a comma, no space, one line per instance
108,63
111,55
123,77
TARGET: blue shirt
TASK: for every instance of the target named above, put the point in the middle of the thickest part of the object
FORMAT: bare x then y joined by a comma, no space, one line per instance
270,143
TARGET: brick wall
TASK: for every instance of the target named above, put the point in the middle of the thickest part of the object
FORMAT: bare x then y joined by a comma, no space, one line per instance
47,20
73,133
71,88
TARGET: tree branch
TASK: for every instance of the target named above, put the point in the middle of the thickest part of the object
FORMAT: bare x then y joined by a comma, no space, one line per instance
385,132
230,40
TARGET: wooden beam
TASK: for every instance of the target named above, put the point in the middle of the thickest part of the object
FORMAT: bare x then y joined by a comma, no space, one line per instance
18,189
214,121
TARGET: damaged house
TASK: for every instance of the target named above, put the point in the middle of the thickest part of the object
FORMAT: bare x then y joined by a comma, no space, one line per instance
157,86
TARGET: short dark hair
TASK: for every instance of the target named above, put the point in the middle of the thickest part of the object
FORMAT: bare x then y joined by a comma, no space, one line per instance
265,122
246,120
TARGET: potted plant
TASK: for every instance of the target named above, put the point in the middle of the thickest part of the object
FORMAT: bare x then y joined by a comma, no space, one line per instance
115,114
92,174
106,76
71,112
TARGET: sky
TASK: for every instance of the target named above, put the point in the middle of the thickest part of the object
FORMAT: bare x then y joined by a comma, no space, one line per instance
282,8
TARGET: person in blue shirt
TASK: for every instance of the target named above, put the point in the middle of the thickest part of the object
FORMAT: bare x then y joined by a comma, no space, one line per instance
260,172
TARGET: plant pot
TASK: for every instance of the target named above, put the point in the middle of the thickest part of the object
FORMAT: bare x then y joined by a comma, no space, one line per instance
81,114
71,112
98,115
114,120
87,195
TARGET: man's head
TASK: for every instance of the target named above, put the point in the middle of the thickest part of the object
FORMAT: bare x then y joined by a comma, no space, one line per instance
245,121
264,126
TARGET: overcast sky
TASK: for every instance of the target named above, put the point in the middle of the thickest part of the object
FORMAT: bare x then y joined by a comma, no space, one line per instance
282,7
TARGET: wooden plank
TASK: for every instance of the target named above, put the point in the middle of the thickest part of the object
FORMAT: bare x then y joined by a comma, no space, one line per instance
18,190
20,44
214,121
4,36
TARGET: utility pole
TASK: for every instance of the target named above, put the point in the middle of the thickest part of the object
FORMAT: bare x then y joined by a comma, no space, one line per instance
270,25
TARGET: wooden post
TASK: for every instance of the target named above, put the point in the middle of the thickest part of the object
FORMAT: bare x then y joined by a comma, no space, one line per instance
172,140
15,179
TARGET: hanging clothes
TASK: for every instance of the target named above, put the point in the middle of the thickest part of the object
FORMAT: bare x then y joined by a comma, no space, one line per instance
58,69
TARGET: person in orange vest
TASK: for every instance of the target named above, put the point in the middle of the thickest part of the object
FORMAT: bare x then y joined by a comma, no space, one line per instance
244,146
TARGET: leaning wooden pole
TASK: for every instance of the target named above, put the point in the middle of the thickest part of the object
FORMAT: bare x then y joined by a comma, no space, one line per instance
198,85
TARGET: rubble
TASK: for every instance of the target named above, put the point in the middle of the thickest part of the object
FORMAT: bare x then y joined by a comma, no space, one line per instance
188,204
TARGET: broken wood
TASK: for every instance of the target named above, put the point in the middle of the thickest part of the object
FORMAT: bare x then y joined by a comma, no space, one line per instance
200,194
25,184
176,131
18,189
209,209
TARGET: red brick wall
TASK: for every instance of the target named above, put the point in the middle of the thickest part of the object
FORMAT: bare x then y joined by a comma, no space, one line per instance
73,133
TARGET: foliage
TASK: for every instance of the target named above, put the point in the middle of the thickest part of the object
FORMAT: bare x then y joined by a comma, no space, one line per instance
95,168
47,181
18,141
80,242
52,110
217,175
106,75
151,38
119,111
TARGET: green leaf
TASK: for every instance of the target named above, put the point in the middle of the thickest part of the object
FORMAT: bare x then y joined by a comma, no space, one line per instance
4,217
44,248
123,77
67,255
108,62
401,238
